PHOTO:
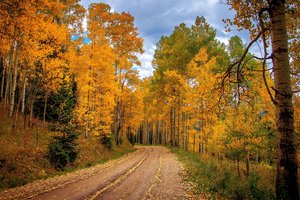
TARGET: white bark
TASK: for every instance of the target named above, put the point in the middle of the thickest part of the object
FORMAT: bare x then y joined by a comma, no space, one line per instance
14,84
23,95
2,80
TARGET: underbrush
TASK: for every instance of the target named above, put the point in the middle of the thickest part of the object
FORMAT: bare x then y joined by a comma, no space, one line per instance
218,179
24,154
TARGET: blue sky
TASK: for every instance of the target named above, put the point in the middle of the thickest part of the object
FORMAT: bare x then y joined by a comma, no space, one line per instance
155,18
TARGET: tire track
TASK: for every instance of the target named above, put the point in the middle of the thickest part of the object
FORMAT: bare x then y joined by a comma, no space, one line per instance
116,181
156,180
135,186
110,164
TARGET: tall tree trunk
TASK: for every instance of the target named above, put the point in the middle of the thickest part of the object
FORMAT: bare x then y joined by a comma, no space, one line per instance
187,132
144,133
194,143
24,80
7,88
157,132
25,118
87,128
184,129
178,126
119,103
145,130
138,139
162,132
45,108
238,166
171,126
8,77
202,136
31,111
247,164
148,133
14,82
286,169
174,126
23,95
118,123
166,133
201,144
2,78
16,113
153,133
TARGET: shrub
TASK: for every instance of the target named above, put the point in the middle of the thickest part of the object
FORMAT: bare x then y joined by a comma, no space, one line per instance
63,150
107,141
259,193
131,139
16,182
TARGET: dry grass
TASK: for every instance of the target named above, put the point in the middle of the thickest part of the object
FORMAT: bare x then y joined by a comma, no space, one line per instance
218,179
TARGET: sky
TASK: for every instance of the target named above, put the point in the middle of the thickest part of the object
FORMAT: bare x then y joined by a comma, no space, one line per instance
155,18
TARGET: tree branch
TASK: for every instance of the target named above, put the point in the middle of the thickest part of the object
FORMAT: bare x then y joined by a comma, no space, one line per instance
297,91
239,63
265,56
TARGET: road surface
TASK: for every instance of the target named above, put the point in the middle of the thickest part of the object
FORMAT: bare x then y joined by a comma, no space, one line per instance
148,173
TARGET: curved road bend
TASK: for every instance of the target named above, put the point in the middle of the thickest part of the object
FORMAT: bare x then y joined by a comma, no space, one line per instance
148,173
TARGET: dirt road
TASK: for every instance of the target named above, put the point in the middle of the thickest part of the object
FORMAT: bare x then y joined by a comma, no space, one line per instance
148,173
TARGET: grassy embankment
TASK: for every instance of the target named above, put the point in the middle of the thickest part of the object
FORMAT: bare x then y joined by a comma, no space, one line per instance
218,179
23,154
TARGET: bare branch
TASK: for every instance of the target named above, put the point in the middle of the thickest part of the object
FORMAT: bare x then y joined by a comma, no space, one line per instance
239,62
265,56
297,91
240,65
258,70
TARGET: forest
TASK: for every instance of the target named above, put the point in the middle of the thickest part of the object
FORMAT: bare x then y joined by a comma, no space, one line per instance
219,102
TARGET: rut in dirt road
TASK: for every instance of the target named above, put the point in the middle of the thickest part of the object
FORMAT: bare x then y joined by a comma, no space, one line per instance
148,173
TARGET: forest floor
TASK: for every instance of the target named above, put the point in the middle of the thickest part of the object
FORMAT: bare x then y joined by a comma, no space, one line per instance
148,173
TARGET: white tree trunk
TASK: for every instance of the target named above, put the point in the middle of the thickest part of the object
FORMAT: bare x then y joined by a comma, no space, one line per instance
23,95
2,80
14,83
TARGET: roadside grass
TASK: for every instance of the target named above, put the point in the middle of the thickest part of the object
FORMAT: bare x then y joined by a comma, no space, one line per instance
219,180
23,154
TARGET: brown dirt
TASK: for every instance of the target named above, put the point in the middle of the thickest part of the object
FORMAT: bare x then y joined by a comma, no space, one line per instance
148,173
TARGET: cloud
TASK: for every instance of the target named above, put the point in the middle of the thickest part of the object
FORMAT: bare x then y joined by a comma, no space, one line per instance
155,18
223,39
146,68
